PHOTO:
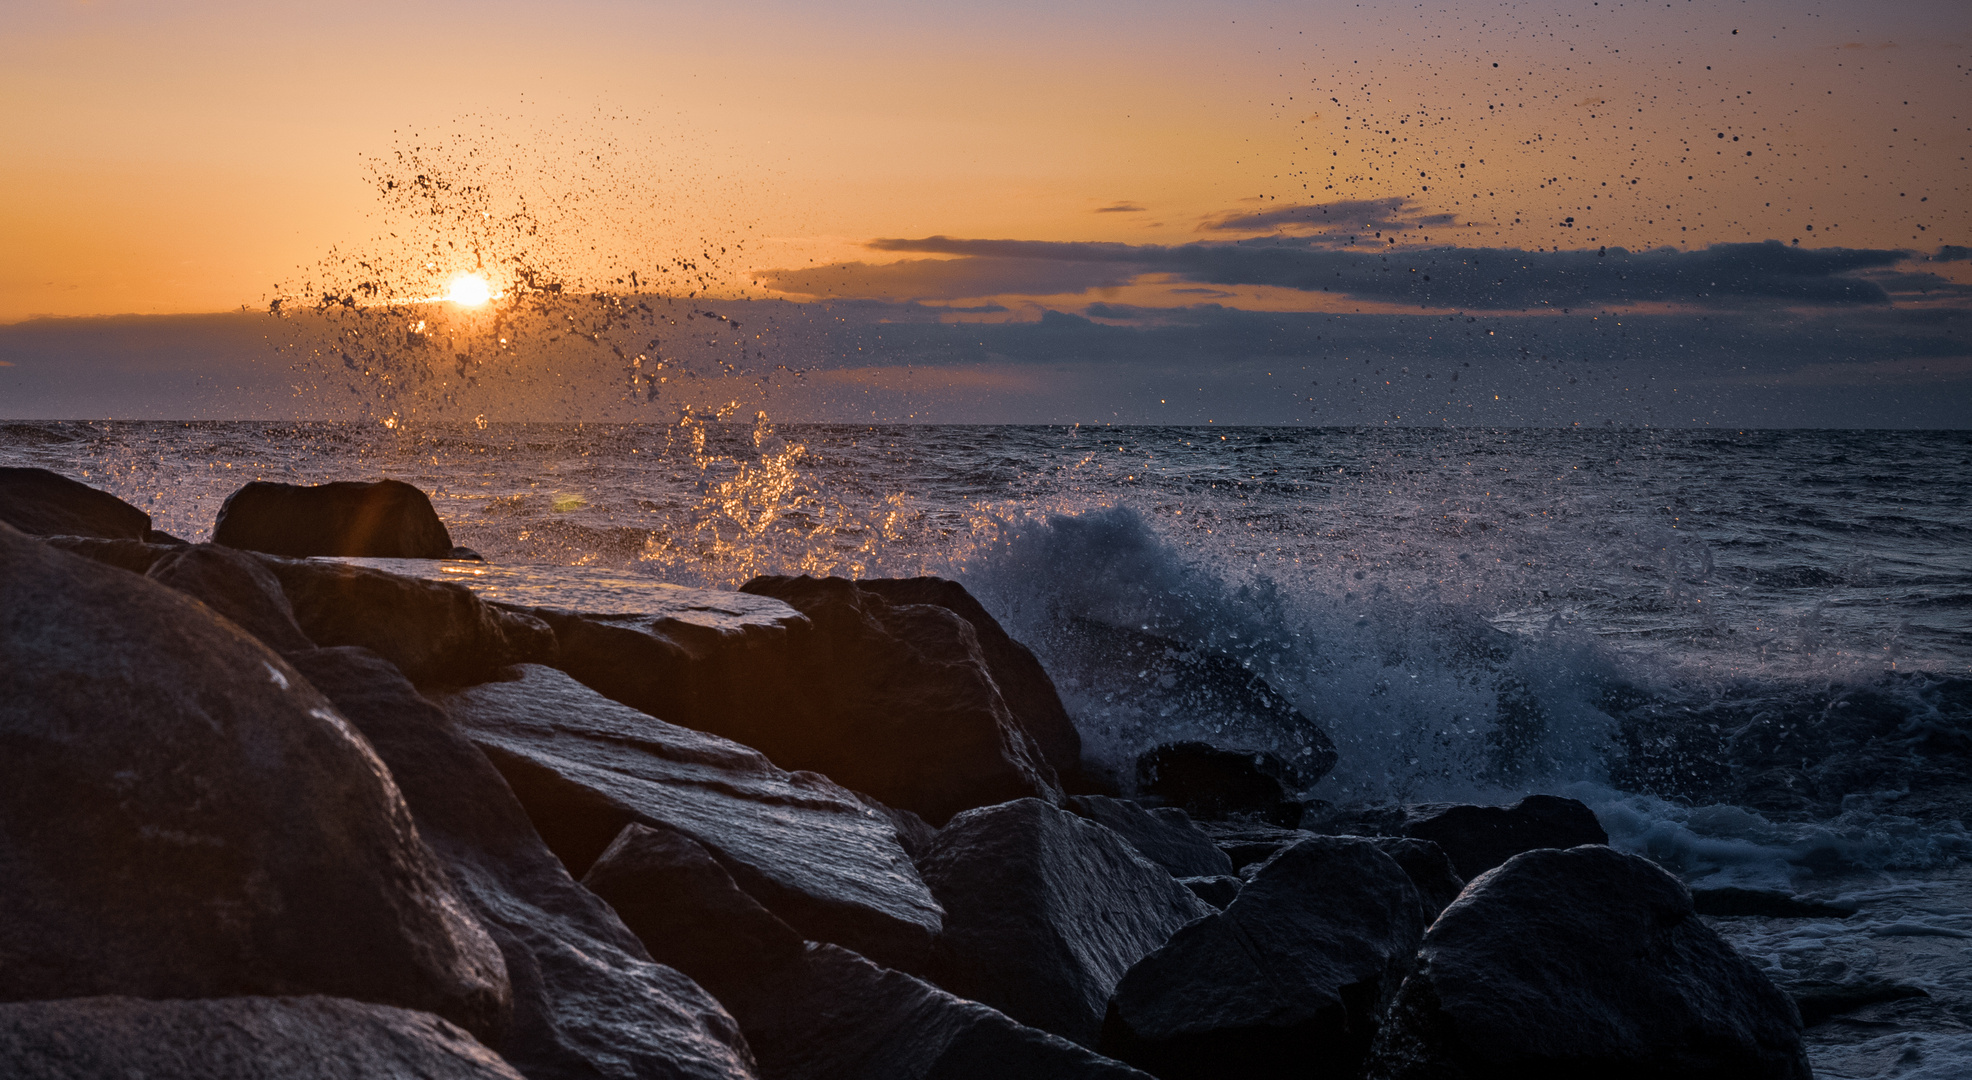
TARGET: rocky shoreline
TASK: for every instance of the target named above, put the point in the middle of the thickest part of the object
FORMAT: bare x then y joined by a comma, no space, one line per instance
330,798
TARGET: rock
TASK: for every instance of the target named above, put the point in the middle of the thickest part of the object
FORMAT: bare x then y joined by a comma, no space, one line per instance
182,815
1165,835
236,585
136,556
588,1000
43,503
1289,980
1730,901
1024,685
1429,868
913,832
810,851
436,632
1216,891
901,704
1044,911
385,518
1584,962
816,1012
1211,782
238,1038
1479,838
1249,843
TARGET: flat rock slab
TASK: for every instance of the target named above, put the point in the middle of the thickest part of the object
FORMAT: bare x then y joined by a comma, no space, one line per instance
1045,911
240,1038
600,591
1290,980
183,815
585,767
1584,962
588,1001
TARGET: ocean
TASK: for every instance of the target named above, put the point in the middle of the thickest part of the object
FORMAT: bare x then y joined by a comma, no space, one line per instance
1749,651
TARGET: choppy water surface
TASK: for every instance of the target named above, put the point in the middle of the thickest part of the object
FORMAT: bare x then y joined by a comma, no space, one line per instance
1751,651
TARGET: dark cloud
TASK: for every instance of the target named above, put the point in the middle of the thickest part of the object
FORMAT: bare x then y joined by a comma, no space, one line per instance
1466,279
1120,208
1345,221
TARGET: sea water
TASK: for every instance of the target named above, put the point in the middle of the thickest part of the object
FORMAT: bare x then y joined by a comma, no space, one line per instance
1749,651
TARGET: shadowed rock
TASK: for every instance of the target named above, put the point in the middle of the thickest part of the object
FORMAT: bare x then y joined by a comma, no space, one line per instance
1290,980
1044,911
236,585
812,1011
435,632
383,518
588,1002
136,556
1212,782
237,1038
182,815
585,766
1429,868
1216,891
1477,838
43,503
1584,962
1165,835
897,700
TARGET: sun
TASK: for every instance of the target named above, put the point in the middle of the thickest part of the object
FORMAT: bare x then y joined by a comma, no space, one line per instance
468,290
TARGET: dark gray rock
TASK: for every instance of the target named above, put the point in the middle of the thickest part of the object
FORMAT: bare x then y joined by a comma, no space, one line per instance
238,1038
588,1000
1479,838
1029,694
1044,911
383,518
811,1011
1429,868
436,632
136,556
1165,835
897,700
182,815
1212,782
1248,843
1290,980
236,585
585,766
1216,891
913,832
43,503
1584,962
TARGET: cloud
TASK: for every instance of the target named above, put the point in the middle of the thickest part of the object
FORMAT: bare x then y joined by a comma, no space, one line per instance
1120,208
1450,278
1332,220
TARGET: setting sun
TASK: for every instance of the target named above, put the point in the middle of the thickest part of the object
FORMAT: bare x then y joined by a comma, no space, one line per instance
468,290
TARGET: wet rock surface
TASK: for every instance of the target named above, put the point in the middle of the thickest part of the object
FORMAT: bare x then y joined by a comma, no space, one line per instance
1477,838
1586,961
234,584
43,503
435,632
1216,891
1164,835
182,815
1429,868
813,1011
237,1038
588,1000
1045,911
810,851
900,703
1214,782
385,518
1291,979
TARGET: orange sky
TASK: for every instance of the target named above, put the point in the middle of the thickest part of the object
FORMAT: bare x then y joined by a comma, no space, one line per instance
186,157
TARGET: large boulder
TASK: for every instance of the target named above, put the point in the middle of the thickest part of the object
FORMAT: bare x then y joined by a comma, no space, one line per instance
814,1011
815,855
1164,835
237,1038
43,503
236,585
1216,782
1024,685
1479,838
898,700
1290,980
182,815
1429,868
436,632
588,1000
1045,911
383,518
1584,962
